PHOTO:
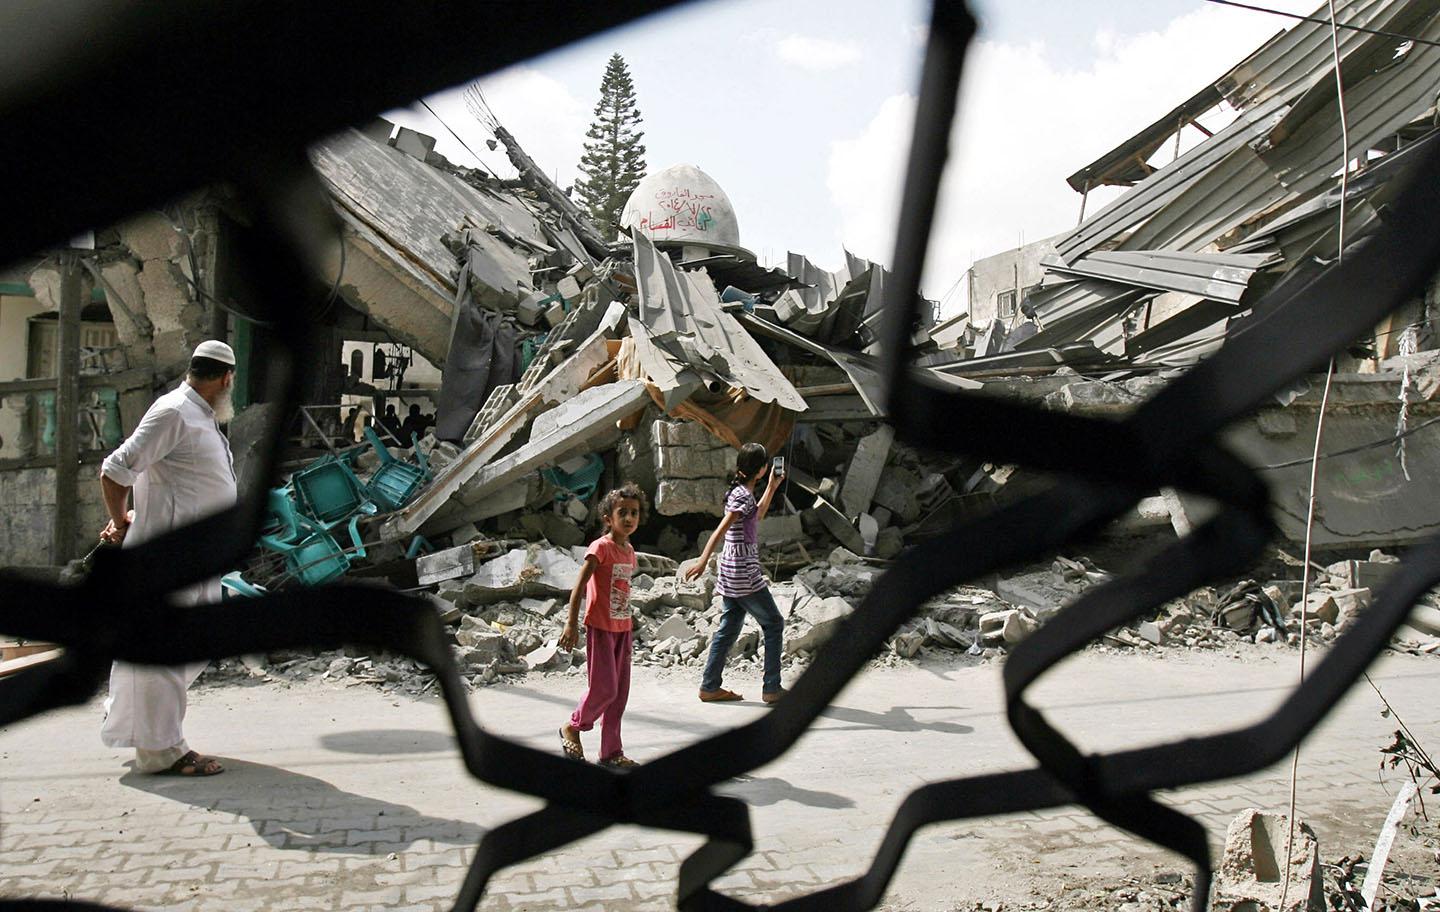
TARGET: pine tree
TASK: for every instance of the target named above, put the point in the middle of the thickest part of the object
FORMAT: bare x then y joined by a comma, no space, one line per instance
614,159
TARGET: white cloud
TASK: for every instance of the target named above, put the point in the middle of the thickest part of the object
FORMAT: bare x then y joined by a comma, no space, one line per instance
1026,123
539,111
817,54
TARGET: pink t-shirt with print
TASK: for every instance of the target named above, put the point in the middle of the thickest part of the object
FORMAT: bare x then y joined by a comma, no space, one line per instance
607,595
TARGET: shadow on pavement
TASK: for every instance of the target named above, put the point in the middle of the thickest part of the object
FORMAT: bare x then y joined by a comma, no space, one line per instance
895,719
773,790
389,741
294,811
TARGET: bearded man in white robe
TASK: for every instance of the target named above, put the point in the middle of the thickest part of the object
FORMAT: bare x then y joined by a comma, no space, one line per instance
178,466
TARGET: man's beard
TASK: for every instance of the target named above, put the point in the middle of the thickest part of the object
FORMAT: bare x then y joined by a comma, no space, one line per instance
224,407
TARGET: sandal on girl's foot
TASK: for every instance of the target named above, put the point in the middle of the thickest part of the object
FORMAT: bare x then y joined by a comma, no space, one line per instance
720,695
774,697
192,764
619,760
571,747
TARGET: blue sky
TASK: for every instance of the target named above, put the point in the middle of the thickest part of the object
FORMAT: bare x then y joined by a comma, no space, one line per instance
802,110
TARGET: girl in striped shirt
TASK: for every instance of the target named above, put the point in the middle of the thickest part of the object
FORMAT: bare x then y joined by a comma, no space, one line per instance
741,584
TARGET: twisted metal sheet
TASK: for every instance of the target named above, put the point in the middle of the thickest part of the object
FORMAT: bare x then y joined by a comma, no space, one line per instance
1172,440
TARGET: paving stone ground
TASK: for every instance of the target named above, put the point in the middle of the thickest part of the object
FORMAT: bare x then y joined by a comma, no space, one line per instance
347,798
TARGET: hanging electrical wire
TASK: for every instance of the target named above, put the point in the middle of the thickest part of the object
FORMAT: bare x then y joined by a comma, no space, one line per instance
1319,436
1352,28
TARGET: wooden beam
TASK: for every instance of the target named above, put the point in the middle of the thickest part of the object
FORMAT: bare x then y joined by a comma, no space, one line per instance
67,409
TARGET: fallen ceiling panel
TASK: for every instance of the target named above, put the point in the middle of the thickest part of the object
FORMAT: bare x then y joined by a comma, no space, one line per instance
683,315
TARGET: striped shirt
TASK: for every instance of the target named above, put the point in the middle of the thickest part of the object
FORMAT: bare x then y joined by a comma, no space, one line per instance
740,560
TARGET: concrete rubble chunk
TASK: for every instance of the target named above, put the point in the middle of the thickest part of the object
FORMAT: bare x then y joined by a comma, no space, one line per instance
1349,602
1043,591
678,496
837,525
889,543
671,592
547,658
1150,632
674,627
824,616
483,643
522,571
939,633
694,462
898,492
869,531
1369,574
1018,627
1252,872
1006,627
862,476
781,529
907,644
543,607
1321,605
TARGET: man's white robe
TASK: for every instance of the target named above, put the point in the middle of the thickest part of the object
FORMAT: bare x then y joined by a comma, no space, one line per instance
181,469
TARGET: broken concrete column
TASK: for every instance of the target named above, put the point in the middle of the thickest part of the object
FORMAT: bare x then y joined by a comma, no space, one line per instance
1253,870
898,492
862,476
838,526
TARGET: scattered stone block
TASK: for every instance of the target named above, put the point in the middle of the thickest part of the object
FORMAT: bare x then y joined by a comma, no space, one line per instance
1150,632
678,496
837,525
484,644
543,607
694,462
1350,602
676,628
993,624
898,492
1369,574
1253,870
1042,591
824,616
889,543
907,644
1018,627
1322,606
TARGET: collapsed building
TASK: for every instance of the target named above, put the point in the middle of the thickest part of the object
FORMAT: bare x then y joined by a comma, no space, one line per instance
569,362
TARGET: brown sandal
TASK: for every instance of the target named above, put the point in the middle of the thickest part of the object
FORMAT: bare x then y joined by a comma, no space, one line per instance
192,764
571,747
619,760
719,696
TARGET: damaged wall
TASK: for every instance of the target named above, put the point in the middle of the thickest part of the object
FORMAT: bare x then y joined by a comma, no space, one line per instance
27,514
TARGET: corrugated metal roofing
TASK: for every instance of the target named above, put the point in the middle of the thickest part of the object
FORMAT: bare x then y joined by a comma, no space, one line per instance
1218,276
683,315
1225,181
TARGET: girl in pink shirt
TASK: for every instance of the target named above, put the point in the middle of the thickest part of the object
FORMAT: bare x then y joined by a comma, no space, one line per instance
605,581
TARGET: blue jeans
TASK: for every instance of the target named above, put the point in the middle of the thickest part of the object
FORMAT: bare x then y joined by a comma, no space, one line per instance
761,606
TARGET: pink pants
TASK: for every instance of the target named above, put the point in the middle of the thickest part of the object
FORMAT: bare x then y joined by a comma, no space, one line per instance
607,665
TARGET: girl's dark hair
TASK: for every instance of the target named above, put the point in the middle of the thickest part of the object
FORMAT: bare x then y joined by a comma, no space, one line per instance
627,491
748,464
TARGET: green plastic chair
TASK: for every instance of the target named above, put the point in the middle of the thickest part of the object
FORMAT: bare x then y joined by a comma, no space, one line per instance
312,555
328,492
395,482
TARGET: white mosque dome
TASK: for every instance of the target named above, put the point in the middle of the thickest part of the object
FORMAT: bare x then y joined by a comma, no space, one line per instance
684,205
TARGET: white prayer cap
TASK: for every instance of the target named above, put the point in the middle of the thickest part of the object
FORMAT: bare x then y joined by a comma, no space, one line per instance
215,351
